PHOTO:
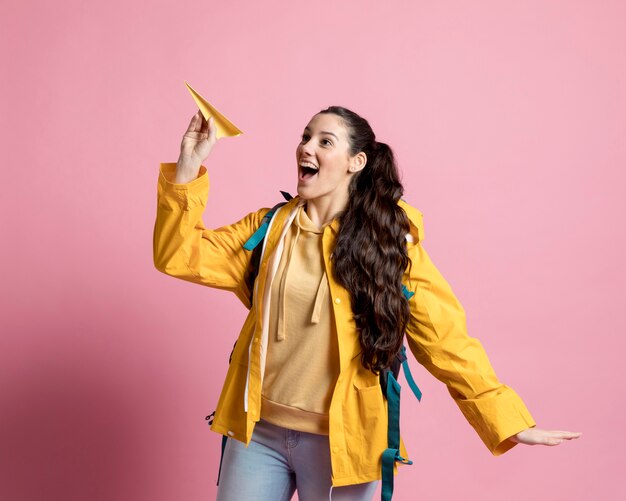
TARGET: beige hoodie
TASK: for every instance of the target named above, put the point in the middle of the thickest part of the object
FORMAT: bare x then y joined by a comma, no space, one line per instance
302,361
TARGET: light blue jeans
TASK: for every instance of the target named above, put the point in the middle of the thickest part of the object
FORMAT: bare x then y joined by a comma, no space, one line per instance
277,462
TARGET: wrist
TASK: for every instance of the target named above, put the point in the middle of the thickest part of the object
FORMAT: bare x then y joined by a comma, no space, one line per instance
187,169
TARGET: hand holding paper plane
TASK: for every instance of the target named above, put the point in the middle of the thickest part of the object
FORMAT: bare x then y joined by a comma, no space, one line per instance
224,126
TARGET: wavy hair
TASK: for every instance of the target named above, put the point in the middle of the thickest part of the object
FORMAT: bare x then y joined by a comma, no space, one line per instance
370,255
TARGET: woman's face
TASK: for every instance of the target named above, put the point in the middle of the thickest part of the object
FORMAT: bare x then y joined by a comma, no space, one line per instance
323,158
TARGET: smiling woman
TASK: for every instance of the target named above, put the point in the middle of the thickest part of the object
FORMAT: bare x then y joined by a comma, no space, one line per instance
326,166
343,280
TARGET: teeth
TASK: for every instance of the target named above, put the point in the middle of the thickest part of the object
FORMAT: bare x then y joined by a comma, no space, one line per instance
309,165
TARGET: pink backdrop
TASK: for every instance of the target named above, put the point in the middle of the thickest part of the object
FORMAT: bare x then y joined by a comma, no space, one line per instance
508,122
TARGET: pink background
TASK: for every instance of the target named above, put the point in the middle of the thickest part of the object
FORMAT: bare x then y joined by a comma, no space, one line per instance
508,122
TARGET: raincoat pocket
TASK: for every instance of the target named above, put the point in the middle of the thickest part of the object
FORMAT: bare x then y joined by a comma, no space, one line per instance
372,422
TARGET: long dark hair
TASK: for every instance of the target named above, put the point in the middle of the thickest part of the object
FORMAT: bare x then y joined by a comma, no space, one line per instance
370,254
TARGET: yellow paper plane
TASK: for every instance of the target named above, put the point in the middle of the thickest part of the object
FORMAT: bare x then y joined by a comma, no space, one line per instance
225,128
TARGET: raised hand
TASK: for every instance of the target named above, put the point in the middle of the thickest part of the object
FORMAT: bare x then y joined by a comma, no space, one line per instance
197,143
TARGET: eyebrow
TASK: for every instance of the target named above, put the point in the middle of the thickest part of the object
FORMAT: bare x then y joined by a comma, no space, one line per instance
324,132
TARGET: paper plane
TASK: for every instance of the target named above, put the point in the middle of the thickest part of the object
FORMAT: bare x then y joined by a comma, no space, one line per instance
225,128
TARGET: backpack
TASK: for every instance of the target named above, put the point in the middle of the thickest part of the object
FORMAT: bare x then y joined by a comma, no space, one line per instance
388,378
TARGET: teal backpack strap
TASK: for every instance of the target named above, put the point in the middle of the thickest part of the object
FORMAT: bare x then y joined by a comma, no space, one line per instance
405,365
409,377
258,236
392,453
392,393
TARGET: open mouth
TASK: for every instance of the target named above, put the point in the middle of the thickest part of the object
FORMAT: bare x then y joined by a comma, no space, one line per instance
307,170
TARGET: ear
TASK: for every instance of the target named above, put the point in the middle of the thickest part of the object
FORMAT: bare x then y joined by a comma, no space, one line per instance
358,162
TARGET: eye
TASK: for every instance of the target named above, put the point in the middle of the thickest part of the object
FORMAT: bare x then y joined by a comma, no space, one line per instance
327,142
305,138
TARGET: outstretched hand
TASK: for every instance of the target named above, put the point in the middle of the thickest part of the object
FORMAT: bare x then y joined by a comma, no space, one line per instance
537,436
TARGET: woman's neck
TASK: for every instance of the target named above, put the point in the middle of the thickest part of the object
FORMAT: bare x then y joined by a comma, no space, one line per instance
323,210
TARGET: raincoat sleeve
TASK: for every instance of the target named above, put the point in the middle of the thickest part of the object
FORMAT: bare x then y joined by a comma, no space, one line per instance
437,336
184,248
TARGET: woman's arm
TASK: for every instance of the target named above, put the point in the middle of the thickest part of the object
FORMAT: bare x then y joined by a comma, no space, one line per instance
182,246
437,336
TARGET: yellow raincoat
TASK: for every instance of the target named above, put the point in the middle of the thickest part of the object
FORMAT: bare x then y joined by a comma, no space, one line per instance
436,333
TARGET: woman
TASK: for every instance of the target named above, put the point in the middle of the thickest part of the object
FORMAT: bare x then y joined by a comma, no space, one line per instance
327,314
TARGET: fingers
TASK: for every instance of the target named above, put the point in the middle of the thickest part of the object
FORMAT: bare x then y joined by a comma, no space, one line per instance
566,435
537,436
198,128
204,125
194,124
570,434
557,437
205,129
552,441
212,129
563,434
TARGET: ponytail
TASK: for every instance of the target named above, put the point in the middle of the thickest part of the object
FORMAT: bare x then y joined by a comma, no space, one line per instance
370,254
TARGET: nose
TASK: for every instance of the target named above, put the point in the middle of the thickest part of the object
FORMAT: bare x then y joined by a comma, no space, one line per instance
306,147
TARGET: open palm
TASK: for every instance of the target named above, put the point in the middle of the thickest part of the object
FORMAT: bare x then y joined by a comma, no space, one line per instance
537,436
